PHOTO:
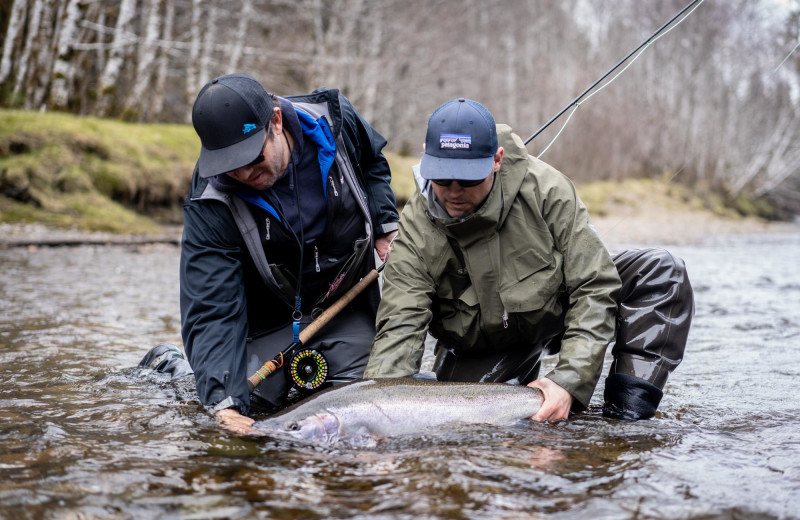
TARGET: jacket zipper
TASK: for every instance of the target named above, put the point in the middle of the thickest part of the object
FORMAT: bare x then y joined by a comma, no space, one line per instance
316,258
333,185
266,237
505,318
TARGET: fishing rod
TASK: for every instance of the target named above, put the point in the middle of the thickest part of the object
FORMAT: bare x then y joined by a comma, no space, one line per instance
634,51
306,368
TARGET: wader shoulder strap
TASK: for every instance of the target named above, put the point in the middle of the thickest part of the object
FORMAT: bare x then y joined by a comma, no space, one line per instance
322,110
249,230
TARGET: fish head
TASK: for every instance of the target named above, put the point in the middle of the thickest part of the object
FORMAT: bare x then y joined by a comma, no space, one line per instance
322,428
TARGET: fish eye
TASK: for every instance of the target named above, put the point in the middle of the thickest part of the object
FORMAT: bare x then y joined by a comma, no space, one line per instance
293,426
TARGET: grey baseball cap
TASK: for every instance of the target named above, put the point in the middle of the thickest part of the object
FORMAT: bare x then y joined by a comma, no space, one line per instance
460,143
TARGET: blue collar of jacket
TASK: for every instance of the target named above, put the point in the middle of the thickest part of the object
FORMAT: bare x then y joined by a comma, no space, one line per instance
317,131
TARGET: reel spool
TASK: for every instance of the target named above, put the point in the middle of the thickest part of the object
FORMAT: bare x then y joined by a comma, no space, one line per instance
307,370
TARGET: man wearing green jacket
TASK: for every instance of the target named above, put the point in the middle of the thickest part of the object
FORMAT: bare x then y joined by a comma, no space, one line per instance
497,259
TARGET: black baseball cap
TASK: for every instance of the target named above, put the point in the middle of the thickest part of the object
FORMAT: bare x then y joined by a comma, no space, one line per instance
230,115
460,143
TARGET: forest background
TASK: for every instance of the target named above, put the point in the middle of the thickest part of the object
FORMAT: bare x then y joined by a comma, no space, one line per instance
713,106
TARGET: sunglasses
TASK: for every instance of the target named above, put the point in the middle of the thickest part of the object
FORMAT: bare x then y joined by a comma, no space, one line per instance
260,157
464,184
257,160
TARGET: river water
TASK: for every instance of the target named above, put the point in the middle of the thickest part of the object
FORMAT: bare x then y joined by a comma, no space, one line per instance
84,434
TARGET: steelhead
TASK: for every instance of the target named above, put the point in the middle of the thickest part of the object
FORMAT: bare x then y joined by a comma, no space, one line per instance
363,412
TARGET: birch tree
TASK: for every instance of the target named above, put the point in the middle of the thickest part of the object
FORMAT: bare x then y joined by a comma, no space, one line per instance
237,48
64,66
123,38
159,89
14,31
31,42
193,66
146,57
209,43
41,75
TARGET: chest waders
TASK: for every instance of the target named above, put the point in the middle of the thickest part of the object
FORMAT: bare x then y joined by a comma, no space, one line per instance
307,369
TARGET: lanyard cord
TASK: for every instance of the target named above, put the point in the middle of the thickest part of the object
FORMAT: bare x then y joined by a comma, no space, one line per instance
297,314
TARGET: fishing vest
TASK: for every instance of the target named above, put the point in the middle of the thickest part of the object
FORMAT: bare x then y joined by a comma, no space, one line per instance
361,259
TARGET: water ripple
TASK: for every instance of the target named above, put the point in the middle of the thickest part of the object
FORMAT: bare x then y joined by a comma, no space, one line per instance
84,434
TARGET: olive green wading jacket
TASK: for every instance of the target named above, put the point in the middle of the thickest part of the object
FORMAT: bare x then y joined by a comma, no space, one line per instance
526,267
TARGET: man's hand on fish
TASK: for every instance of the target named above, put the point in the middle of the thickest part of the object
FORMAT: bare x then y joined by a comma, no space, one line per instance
234,422
557,401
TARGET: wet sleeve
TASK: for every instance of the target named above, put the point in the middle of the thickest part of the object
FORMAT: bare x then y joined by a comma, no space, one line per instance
213,305
591,282
366,151
404,313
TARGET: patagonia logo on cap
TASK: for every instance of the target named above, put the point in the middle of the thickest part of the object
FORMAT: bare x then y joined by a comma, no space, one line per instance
248,127
455,142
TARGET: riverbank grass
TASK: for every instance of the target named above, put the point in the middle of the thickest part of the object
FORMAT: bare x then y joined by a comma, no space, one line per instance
94,174
105,175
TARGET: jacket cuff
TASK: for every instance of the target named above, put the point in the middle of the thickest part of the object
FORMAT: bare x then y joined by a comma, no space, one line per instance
580,391
630,398
223,405
219,395
387,228
228,402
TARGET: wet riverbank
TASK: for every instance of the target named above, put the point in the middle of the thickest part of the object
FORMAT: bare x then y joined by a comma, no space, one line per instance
85,434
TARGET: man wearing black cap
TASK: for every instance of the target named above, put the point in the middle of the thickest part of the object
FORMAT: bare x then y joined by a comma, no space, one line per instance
497,259
289,197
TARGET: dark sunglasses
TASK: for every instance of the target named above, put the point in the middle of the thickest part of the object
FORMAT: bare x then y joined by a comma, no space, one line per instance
260,157
464,184
257,160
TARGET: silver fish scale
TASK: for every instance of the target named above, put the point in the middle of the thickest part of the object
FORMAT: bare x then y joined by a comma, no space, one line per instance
389,407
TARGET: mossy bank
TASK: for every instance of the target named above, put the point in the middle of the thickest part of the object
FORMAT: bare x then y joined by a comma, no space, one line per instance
93,174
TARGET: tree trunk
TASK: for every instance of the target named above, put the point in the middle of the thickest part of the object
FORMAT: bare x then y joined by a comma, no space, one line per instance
374,69
192,68
241,34
320,43
163,62
64,67
148,48
34,22
101,53
209,44
16,25
117,56
41,74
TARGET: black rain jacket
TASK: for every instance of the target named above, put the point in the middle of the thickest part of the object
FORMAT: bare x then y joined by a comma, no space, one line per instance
223,293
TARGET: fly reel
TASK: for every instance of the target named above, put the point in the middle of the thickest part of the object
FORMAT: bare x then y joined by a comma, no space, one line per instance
307,369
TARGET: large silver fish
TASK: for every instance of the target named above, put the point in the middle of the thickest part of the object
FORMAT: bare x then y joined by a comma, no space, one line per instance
363,412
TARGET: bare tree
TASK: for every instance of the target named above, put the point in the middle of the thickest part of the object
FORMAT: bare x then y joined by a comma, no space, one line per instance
32,45
64,66
195,44
146,57
237,47
123,39
157,99
209,43
14,31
